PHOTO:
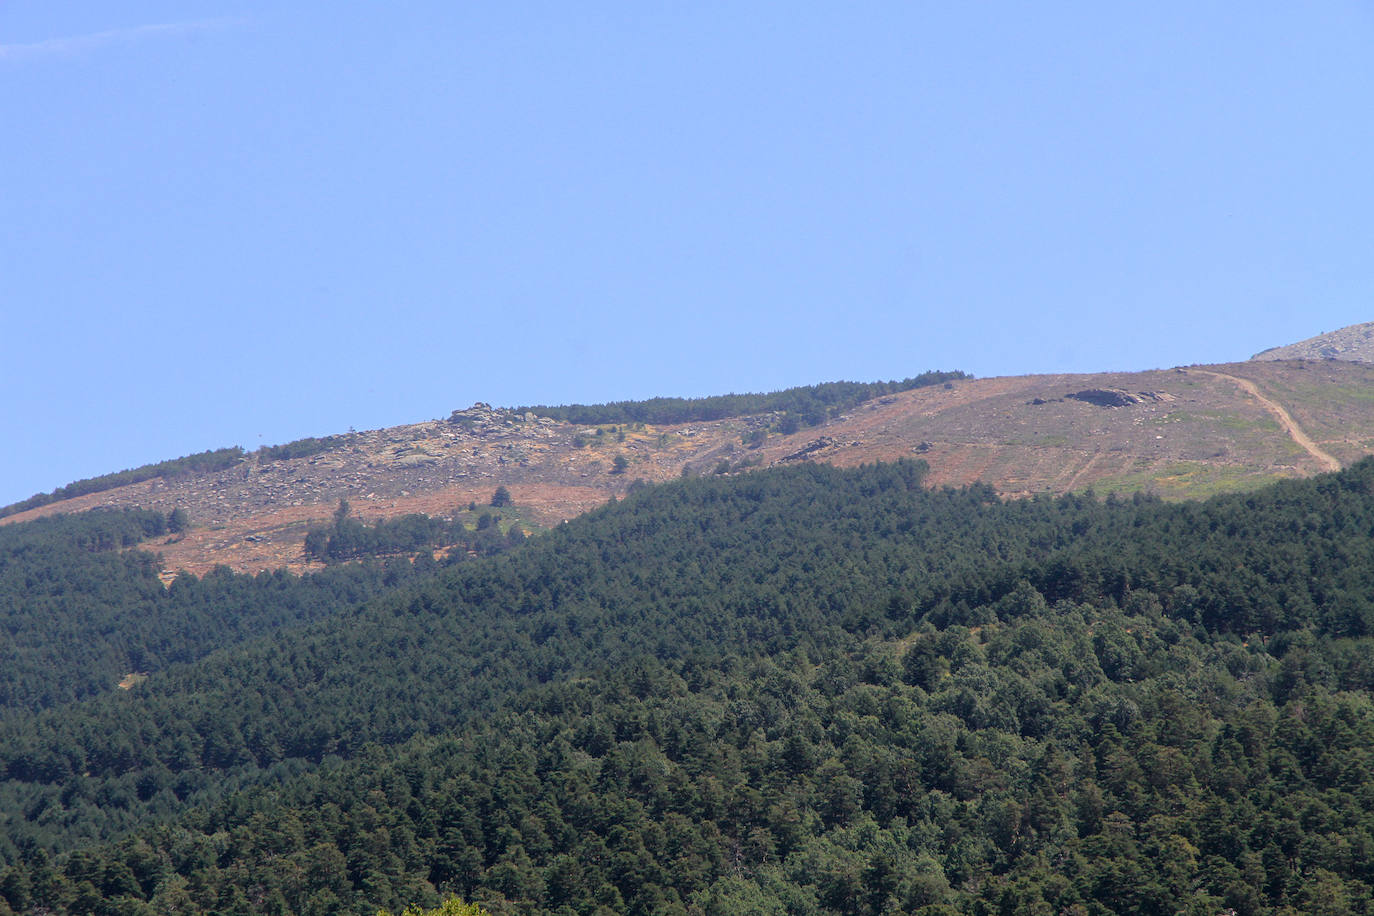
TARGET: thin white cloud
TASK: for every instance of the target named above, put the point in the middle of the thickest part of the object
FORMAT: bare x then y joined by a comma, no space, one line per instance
79,44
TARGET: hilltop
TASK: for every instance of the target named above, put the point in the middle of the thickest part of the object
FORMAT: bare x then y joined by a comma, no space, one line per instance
1178,433
1354,343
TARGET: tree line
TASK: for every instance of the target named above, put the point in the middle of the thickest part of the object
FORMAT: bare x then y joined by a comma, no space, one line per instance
806,405
475,533
199,463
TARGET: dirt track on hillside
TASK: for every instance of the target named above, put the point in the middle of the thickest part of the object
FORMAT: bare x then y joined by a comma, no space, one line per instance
1285,420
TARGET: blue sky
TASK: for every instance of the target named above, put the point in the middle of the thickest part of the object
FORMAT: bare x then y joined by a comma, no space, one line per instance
238,222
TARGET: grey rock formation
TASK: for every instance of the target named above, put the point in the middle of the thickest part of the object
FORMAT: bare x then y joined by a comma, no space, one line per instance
1115,397
1353,344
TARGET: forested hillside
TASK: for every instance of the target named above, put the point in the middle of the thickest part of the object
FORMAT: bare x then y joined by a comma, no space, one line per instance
798,691
79,613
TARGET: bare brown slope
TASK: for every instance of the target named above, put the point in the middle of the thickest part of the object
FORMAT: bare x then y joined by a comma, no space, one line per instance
1285,419
1188,433
1179,433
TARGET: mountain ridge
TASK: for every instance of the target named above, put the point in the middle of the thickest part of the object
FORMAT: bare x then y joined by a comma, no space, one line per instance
1178,433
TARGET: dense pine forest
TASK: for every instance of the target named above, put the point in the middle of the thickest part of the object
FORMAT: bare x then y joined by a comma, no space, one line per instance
799,691
80,613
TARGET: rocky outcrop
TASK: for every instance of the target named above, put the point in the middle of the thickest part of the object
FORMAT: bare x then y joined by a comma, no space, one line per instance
1117,397
811,448
1352,344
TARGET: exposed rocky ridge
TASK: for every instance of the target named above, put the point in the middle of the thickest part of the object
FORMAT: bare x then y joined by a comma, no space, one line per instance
1179,433
1354,343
